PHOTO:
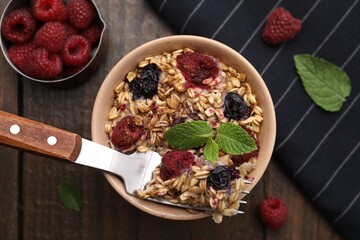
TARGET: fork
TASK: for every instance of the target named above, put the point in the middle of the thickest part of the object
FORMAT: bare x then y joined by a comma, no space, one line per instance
135,170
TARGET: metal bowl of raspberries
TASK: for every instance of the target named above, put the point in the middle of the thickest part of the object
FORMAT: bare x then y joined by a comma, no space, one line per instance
51,41
175,84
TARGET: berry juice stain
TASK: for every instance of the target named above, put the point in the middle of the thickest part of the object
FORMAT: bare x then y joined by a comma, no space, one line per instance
196,67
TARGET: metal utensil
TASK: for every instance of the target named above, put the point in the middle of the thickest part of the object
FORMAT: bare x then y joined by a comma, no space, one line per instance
135,169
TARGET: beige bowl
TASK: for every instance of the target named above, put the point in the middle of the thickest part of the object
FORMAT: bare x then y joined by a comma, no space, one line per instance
167,44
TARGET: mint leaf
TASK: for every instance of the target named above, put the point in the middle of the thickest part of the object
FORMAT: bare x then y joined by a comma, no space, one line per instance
70,196
325,83
233,139
188,135
211,150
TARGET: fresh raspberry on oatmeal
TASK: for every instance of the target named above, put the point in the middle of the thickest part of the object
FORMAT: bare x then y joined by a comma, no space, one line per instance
126,133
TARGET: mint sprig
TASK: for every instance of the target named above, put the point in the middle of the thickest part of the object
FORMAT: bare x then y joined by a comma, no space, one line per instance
189,135
70,196
211,150
234,139
231,138
325,83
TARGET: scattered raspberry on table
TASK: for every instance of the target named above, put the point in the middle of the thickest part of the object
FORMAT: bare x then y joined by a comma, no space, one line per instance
280,27
273,212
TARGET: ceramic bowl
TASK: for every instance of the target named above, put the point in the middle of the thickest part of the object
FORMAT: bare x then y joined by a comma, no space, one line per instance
63,81
226,55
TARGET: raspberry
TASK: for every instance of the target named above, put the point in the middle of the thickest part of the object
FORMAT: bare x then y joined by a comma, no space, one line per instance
273,211
43,65
197,67
174,163
69,29
80,12
18,53
240,159
281,26
19,26
76,50
126,133
49,10
93,32
51,36
71,70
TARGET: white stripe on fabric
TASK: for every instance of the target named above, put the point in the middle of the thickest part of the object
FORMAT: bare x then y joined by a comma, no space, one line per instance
337,171
272,59
295,128
258,27
312,105
327,135
348,208
227,18
286,92
162,6
191,15
318,49
352,55
279,50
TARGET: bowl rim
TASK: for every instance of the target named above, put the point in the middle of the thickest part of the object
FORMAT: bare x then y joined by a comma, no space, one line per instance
11,5
116,183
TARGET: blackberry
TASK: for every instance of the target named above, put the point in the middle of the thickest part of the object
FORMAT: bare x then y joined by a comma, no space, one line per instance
235,107
219,178
146,85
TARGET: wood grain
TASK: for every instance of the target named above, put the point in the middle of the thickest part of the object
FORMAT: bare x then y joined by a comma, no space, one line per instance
105,215
10,208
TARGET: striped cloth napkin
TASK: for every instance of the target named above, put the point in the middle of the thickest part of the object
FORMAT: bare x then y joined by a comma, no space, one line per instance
319,149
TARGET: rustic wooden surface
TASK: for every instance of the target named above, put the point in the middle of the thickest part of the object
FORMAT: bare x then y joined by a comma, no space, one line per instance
29,204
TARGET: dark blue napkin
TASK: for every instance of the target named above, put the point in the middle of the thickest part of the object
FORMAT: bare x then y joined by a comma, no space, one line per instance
319,149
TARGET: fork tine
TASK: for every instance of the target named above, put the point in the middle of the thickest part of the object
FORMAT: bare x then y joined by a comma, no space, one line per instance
207,209
247,181
190,207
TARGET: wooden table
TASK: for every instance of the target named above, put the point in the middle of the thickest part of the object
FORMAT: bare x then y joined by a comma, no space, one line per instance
29,203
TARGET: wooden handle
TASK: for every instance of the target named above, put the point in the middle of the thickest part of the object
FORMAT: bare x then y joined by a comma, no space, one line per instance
39,138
